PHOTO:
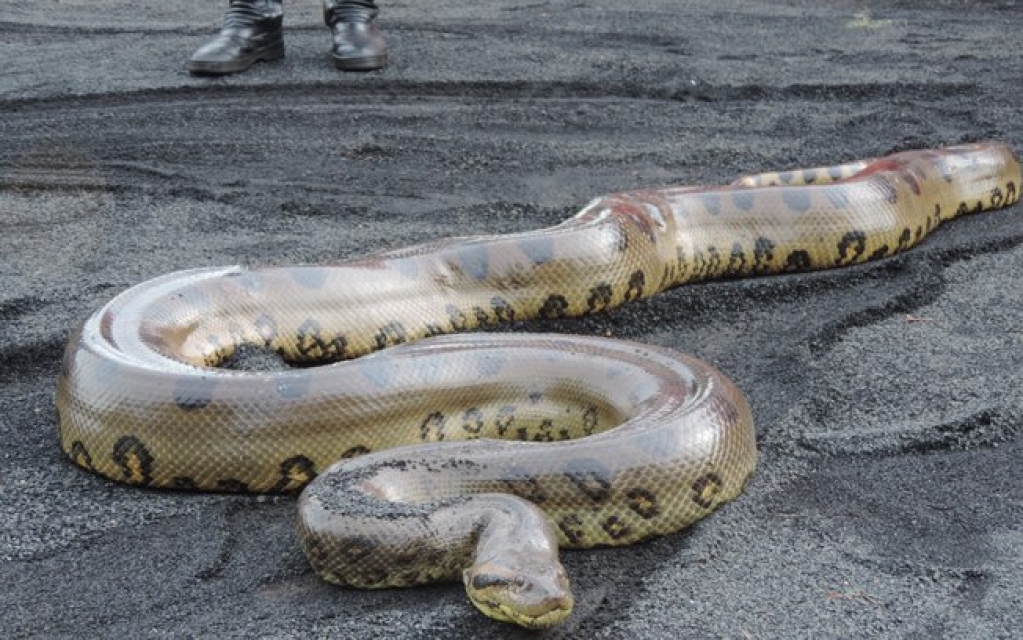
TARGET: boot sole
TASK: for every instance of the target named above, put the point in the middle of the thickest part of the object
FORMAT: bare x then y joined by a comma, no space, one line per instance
266,54
370,63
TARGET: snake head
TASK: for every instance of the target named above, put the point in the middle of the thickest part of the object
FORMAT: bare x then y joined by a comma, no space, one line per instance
535,597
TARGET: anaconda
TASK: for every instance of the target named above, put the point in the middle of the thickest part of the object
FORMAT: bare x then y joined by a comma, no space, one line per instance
509,446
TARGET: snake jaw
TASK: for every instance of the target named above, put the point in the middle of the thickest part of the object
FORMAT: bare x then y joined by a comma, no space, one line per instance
535,601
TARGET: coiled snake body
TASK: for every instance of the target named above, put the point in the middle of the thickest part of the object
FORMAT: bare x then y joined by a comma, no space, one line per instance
522,443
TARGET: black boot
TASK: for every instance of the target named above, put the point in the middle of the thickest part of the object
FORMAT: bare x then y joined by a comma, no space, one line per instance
358,45
252,32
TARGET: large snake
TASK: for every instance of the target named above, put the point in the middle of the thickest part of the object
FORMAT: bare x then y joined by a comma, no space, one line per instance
564,440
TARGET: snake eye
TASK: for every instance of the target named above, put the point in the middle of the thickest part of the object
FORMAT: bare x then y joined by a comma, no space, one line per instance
488,580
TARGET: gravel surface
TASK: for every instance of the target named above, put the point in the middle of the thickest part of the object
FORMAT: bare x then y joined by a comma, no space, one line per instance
889,497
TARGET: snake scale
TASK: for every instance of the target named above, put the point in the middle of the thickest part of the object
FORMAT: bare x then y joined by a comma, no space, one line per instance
475,457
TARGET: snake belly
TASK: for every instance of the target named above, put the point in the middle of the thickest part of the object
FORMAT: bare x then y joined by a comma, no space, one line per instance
475,457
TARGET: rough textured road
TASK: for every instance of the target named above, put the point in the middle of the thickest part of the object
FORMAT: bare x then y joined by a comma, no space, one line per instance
889,498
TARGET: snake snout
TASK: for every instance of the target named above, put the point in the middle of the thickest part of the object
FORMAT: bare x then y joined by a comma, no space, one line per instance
535,598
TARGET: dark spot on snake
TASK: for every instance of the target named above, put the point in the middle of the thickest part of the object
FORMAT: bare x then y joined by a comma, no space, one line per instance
232,485
472,421
572,526
193,393
80,455
1010,192
358,547
737,259
880,252
763,254
635,288
266,327
681,265
503,311
296,472
134,459
544,431
522,434
482,317
643,502
599,298
504,420
590,420
706,489
710,262
797,199
432,428
355,452
711,203
786,177
997,197
835,173
538,249
616,528
391,334
904,239
919,233
556,306
590,476
526,487
535,397
475,260
798,260
962,209
851,246
743,199
314,347
311,278
184,483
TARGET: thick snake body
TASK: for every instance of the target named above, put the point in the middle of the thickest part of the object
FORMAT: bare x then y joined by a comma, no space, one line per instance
522,442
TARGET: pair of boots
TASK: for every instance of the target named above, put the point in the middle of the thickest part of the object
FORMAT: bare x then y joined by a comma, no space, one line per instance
252,32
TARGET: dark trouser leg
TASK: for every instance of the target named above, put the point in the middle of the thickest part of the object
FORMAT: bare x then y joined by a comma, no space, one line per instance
358,44
251,32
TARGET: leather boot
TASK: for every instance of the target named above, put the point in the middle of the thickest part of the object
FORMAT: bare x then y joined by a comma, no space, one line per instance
358,44
251,32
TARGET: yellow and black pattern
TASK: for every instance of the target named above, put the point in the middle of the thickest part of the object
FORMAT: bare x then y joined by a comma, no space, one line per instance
523,442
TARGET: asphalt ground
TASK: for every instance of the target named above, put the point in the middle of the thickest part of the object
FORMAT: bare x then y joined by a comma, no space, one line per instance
889,497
